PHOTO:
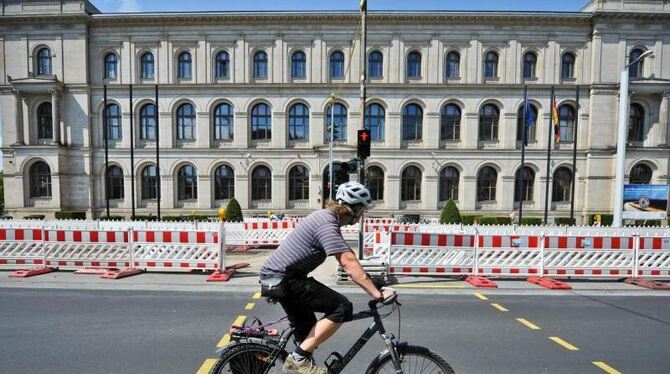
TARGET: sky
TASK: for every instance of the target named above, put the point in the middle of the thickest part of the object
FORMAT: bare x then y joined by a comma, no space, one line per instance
236,5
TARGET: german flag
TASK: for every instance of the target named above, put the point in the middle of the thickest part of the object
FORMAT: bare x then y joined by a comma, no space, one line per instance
554,116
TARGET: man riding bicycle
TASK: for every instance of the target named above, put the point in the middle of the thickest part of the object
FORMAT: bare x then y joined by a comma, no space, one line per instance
284,276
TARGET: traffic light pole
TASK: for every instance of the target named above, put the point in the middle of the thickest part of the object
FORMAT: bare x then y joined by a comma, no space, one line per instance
361,169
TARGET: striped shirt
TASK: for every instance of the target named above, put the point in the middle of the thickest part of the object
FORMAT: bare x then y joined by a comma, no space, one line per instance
307,246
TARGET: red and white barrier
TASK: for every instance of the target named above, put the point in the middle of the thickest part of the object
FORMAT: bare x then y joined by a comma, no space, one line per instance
75,249
21,247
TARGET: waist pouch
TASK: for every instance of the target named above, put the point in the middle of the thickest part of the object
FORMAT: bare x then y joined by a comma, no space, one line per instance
273,287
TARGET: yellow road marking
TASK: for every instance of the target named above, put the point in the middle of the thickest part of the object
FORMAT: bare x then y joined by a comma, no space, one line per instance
249,306
257,296
499,307
206,366
563,343
480,296
528,324
428,286
224,341
606,368
239,321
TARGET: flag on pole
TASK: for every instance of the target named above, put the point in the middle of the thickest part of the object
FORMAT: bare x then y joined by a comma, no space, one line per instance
530,120
554,115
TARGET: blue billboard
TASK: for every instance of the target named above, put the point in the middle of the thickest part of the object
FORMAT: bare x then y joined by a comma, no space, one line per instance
645,201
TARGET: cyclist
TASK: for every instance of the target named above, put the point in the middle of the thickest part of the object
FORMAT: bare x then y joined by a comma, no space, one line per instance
284,275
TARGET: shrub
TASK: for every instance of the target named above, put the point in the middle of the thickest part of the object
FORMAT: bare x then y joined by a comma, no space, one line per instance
565,221
233,211
70,215
531,221
112,218
142,217
495,220
172,218
503,220
469,219
450,213
35,216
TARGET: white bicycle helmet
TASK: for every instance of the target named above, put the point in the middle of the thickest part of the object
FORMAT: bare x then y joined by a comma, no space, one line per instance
353,193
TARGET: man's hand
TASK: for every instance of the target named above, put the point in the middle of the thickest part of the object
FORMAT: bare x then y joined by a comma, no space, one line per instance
386,293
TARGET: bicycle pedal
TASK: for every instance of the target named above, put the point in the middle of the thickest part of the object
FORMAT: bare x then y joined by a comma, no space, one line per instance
335,359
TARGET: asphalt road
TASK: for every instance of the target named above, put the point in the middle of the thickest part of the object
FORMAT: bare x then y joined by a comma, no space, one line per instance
103,331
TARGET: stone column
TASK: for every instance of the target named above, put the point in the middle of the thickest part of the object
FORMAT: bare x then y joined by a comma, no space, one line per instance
241,131
18,123
664,119
55,117
431,131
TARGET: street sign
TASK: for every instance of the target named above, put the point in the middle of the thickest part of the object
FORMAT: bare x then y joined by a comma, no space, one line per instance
364,140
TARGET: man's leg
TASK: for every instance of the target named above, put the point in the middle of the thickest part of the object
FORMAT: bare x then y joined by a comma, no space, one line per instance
323,330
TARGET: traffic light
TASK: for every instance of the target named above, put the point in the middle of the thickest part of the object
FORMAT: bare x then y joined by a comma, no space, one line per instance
364,140
350,166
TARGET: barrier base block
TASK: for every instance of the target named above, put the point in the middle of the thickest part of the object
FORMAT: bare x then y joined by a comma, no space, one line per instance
227,273
481,282
30,272
648,283
92,271
118,274
549,283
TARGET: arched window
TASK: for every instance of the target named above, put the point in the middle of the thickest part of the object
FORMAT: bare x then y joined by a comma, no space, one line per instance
148,65
111,63
185,122
260,65
636,123
298,122
375,64
640,174
40,180
113,120
298,65
450,122
261,122
44,62
520,124
449,177
148,122
298,183
44,121
187,183
340,127
224,183
414,65
261,183
375,116
411,184
489,116
486,184
337,64
114,182
527,181
185,65
222,65
566,123
568,65
453,69
637,69
491,65
374,177
412,122
149,183
223,122
562,185
529,65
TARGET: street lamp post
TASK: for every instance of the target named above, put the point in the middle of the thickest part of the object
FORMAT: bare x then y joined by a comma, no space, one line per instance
330,146
621,140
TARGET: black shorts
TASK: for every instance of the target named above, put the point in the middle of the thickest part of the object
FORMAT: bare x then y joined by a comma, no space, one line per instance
306,296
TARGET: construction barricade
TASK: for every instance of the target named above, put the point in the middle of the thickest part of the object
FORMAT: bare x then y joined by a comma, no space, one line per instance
21,247
185,250
77,249
653,257
589,256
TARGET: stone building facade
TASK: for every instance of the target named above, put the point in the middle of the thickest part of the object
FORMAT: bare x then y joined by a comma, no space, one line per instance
243,107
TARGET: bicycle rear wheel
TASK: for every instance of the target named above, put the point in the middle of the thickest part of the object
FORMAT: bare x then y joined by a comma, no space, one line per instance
248,358
413,360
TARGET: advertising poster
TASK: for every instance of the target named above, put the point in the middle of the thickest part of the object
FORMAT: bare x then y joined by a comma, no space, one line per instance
645,201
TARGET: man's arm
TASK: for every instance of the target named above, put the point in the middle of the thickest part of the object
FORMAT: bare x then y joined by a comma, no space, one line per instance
353,267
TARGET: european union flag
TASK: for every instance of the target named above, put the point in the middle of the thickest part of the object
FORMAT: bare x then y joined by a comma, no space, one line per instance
530,120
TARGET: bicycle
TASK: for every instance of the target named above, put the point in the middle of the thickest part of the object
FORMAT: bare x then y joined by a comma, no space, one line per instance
255,349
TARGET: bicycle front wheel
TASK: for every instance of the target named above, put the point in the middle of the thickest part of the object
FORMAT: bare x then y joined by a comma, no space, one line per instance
413,360
249,358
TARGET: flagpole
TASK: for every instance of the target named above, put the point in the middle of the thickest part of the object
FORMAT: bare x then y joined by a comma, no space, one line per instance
519,178
105,137
550,132
574,160
132,154
158,156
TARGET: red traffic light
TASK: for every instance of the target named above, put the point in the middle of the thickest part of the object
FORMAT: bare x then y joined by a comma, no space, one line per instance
364,140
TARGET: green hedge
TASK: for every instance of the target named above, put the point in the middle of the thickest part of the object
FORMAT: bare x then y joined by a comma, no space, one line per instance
35,216
495,220
189,218
531,221
112,218
144,217
70,215
565,221
469,219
